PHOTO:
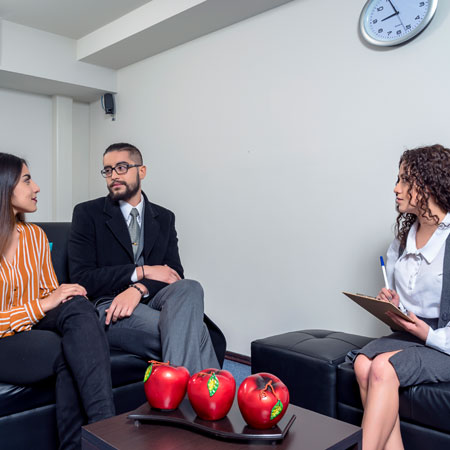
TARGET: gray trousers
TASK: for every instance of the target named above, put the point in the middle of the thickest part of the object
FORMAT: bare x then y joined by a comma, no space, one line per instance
169,328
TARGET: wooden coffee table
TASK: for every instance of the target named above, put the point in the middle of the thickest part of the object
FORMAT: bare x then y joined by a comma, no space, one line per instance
309,431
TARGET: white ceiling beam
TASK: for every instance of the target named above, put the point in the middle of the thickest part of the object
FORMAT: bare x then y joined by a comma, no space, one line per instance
46,86
36,61
163,24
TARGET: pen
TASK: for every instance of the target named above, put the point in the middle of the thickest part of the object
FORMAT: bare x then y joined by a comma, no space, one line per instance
383,269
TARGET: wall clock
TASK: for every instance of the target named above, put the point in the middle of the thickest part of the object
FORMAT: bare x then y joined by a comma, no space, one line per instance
393,22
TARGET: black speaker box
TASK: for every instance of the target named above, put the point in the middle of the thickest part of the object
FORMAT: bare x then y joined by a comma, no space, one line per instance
108,104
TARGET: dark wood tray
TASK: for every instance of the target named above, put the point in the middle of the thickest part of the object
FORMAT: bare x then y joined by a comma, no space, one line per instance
231,427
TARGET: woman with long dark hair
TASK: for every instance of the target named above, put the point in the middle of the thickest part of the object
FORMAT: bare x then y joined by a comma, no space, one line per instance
418,267
46,330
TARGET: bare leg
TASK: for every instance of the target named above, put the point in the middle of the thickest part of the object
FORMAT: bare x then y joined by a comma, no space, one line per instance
395,439
362,367
381,405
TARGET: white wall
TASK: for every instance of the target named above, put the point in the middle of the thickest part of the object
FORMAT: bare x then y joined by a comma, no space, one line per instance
276,143
26,130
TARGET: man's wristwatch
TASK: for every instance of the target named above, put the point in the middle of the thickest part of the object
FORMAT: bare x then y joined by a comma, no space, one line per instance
138,288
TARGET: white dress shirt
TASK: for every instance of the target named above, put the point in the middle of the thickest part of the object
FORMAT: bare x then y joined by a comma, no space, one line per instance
126,208
417,278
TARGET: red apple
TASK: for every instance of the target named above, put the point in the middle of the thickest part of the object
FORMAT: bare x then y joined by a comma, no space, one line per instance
263,400
211,393
165,385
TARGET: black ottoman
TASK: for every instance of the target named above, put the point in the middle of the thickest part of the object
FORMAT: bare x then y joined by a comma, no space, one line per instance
306,361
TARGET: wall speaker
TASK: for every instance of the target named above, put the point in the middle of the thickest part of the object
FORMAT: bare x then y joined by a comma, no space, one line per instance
108,104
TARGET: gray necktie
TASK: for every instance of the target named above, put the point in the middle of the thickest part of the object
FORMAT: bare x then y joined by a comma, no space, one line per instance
135,230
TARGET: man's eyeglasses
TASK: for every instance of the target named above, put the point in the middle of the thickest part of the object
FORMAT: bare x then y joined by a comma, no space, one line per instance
121,169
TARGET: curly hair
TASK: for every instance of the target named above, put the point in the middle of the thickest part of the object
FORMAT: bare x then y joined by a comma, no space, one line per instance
427,170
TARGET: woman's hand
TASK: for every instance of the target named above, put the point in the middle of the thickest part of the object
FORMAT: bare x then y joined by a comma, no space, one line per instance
419,328
389,295
61,295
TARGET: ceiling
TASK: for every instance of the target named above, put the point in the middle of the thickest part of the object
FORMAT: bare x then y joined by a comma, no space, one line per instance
106,35
70,18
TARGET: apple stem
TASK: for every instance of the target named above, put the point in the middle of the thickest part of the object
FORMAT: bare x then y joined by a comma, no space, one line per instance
266,387
159,363
202,374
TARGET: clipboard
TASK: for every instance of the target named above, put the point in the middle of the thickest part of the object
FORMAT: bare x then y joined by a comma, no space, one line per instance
378,308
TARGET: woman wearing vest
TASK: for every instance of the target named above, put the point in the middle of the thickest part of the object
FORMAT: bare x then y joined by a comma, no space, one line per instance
418,269
46,330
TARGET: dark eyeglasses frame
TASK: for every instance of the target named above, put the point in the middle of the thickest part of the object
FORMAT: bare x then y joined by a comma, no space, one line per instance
104,172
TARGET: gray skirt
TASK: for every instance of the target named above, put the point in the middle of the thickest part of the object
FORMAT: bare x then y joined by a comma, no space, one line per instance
416,363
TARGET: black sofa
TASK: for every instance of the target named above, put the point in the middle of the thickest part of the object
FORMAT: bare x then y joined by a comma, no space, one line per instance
27,413
312,365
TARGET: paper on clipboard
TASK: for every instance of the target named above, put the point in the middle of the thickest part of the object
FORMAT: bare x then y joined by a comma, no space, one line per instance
378,308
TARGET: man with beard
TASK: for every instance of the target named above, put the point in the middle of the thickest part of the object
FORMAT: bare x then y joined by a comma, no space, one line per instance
123,250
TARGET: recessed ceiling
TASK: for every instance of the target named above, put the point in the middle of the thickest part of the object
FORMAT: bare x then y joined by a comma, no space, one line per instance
109,34
70,18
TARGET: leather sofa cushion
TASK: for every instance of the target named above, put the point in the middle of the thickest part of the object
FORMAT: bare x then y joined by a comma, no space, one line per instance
428,405
125,369
58,235
14,399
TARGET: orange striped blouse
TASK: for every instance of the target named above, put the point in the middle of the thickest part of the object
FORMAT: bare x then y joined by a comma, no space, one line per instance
23,282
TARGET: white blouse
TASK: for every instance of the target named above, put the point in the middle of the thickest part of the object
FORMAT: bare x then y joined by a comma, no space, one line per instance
417,278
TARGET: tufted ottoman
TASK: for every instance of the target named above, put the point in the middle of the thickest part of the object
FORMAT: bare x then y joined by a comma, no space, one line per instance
306,361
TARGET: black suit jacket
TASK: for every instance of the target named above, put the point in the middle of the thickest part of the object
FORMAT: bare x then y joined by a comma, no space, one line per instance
100,251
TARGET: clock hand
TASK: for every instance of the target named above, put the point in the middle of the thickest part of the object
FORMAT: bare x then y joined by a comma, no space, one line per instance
393,7
396,14
401,23
388,17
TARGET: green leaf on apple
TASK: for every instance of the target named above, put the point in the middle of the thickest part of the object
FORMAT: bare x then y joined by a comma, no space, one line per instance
276,410
148,372
213,384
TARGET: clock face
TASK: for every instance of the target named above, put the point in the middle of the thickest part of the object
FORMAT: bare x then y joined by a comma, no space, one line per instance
392,22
